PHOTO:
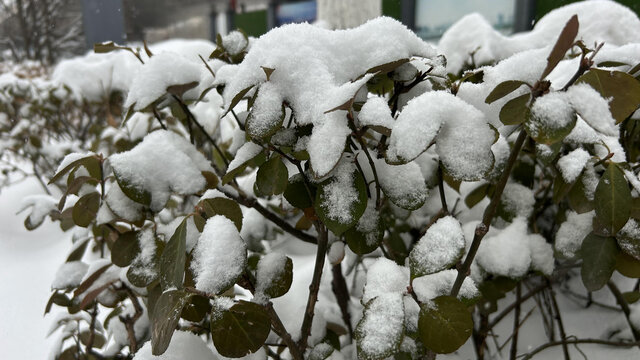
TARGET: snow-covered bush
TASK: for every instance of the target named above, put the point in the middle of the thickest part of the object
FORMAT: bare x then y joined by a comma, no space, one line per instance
427,188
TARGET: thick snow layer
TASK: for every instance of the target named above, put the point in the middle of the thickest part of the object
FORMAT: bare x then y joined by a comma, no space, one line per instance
159,73
571,233
462,136
381,326
439,248
369,223
121,205
593,108
220,255
507,253
403,184
145,260
572,164
431,286
340,193
551,113
245,153
517,200
164,162
41,205
313,72
375,112
183,345
385,276
488,45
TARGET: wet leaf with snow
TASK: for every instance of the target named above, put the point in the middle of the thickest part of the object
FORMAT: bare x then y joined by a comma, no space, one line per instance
379,333
444,325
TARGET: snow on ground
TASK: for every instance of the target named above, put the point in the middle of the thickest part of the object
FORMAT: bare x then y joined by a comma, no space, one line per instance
28,262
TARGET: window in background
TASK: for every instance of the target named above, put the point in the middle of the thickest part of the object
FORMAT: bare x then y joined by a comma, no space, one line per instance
296,12
434,17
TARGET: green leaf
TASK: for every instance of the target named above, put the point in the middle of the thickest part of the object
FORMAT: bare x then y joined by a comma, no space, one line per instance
563,44
387,67
90,280
445,325
627,265
496,288
560,189
280,282
612,199
503,89
241,330
635,208
296,192
98,339
236,99
231,174
272,176
476,195
515,110
164,319
85,209
622,88
548,131
225,207
125,249
578,199
268,71
134,193
197,308
360,242
173,258
612,64
91,163
631,296
357,208
598,260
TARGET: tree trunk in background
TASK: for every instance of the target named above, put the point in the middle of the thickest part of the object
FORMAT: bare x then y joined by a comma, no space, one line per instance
344,14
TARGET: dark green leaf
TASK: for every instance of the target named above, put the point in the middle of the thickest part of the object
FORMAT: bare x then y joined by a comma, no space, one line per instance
563,44
272,176
631,296
85,209
236,99
503,89
90,280
445,325
621,87
598,260
296,192
133,192
225,207
612,199
476,195
578,199
388,67
98,339
361,243
627,265
514,112
197,308
164,319
629,241
280,282
241,330
611,64
91,163
125,249
78,250
173,258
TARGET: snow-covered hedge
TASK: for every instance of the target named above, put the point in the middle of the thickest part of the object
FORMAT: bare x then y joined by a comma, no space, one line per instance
338,194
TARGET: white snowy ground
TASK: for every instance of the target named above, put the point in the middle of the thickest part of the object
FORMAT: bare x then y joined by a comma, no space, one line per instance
28,261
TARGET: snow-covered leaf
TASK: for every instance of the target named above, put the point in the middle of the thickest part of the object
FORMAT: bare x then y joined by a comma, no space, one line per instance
440,247
379,333
220,256
621,87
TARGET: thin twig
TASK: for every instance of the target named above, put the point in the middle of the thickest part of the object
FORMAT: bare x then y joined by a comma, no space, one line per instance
558,317
305,329
340,290
516,323
443,198
579,341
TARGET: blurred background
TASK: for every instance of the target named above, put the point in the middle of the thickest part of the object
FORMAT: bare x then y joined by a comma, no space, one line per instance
51,29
